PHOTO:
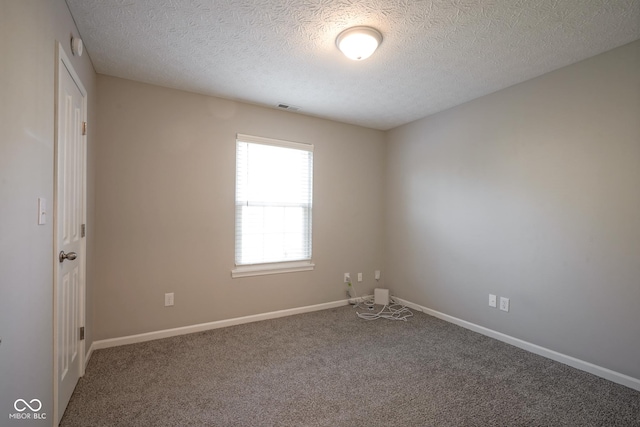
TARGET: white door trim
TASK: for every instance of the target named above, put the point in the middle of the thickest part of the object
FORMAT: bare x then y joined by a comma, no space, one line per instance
63,65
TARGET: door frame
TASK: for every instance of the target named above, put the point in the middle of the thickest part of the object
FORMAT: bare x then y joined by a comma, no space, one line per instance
63,65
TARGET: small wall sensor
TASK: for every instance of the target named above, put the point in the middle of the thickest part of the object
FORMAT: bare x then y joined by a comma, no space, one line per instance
76,46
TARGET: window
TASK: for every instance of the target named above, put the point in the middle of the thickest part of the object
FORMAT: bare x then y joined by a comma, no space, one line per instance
274,187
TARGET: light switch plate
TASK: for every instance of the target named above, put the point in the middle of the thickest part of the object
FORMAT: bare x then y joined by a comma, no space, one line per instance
42,211
492,301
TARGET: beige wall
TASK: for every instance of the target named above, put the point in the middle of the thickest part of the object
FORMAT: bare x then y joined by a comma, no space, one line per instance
29,31
531,193
165,209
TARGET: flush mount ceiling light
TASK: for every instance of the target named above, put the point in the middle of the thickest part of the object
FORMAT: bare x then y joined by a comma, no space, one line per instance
359,43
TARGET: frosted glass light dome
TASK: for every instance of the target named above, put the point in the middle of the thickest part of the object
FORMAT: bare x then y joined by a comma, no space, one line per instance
359,43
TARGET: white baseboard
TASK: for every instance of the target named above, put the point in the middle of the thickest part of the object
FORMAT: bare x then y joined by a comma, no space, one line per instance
599,371
88,356
132,339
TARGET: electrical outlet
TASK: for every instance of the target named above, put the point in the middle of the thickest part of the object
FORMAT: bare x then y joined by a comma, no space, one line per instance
359,277
347,277
492,301
168,299
504,304
376,274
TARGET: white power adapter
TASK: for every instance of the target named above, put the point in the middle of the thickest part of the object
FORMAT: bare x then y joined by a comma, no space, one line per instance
381,296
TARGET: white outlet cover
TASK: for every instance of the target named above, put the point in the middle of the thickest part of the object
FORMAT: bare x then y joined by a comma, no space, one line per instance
168,299
504,304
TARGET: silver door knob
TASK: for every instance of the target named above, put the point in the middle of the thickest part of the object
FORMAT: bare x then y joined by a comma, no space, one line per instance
70,256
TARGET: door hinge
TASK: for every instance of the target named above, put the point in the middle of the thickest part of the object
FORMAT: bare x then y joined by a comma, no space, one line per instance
84,128
81,333
83,230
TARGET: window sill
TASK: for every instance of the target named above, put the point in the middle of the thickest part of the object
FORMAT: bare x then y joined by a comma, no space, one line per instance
275,268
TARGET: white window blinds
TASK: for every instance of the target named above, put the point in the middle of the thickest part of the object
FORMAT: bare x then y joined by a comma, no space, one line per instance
273,200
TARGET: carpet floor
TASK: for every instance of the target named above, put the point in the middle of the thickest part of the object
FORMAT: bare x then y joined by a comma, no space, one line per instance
330,368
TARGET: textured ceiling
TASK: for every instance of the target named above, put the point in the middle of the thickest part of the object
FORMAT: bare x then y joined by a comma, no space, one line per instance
435,53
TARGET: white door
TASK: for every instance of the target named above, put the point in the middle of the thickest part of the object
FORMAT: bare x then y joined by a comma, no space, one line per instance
69,220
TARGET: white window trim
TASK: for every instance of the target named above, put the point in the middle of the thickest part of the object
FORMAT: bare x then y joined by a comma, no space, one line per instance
271,268
275,142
